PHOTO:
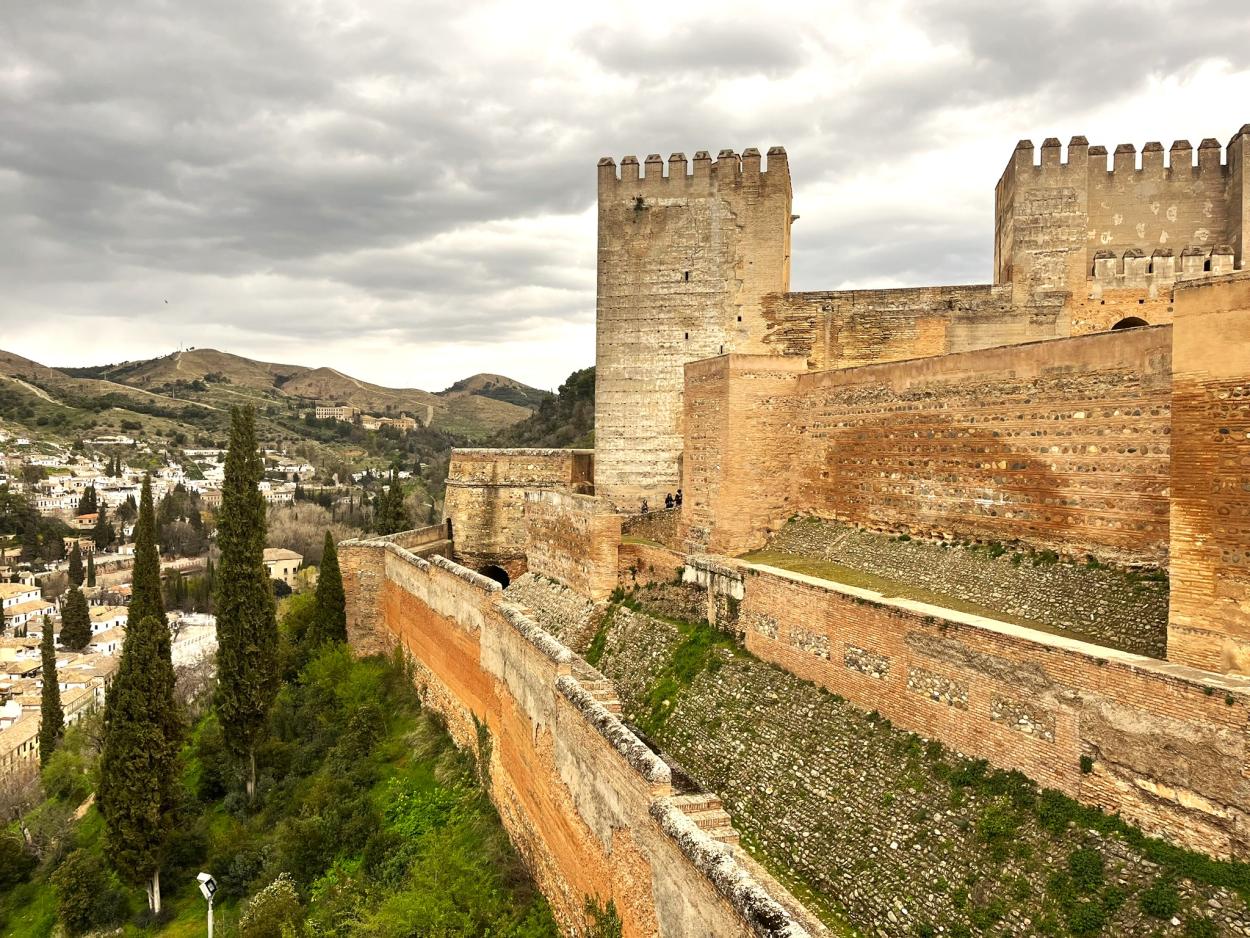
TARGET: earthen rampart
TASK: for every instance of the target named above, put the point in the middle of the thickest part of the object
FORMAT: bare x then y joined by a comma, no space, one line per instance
590,808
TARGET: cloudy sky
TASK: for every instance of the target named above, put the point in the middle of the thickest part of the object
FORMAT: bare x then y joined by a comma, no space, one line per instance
405,191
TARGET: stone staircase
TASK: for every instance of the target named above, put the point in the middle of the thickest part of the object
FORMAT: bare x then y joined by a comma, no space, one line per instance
603,691
709,815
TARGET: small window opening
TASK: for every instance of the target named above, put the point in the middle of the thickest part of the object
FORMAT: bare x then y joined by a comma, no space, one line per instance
687,276
687,336
739,319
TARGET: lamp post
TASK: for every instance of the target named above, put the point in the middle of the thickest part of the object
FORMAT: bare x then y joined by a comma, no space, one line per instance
208,886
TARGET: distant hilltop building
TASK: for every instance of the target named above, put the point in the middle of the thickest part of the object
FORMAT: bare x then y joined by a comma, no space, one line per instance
335,412
1086,411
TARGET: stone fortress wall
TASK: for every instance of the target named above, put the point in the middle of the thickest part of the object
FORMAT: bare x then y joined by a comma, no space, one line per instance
591,809
1063,445
981,413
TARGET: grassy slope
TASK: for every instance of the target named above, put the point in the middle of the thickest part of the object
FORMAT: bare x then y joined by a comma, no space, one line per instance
408,791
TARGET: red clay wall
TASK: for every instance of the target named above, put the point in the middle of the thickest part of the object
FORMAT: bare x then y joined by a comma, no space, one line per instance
1168,744
1209,623
1061,444
588,806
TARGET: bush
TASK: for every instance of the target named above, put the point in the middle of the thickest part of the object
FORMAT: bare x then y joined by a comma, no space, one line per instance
1086,918
1160,899
16,862
1200,928
67,777
274,912
86,896
1086,867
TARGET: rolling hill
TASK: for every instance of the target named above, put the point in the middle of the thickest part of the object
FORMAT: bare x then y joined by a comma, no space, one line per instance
474,407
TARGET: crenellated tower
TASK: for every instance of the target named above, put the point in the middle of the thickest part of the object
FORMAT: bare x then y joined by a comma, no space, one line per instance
685,257
1079,227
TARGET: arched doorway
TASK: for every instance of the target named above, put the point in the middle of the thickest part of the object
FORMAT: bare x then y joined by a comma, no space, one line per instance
1129,322
496,573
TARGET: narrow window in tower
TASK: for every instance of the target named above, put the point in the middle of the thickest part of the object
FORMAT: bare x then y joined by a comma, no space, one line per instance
739,319
687,276
687,336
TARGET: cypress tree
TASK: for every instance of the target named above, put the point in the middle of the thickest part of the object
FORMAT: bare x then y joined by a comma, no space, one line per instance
247,626
88,502
75,566
51,716
139,761
75,620
330,620
91,569
103,534
145,585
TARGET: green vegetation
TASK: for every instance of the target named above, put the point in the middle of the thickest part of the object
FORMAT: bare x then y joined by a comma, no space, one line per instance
367,819
247,630
75,620
566,420
51,716
330,622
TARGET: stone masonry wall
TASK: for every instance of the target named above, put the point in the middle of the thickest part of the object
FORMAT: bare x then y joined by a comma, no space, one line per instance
589,807
1210,617
485,499
683,261
1108,606
1167,744
878,825
1061,444
573,539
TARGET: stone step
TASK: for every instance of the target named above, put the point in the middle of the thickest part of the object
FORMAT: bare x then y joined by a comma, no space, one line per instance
725,835
710,819
701,801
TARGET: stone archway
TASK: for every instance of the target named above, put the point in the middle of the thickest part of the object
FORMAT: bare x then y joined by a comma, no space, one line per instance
496,573
1130,322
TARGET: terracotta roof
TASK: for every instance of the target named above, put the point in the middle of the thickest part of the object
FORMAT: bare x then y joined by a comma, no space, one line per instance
281,553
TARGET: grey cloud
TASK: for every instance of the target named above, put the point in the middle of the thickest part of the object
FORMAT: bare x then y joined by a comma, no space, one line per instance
359,162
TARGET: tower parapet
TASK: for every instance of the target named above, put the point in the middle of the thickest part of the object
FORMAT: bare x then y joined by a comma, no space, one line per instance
1056,218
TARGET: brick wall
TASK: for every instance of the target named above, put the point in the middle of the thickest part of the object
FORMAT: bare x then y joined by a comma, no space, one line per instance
1167,743
1209,622
590,808
485,500
573,539
683,262
1060,444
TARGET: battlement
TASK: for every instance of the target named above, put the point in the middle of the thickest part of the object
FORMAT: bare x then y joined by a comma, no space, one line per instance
728,169
1049,158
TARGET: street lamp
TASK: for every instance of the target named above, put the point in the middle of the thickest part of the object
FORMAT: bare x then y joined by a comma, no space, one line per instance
208,886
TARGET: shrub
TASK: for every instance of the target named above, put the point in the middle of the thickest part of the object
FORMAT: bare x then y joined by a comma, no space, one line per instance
1160,899
1087,764
16,862
67,777
274,912
86,896
1086,867
1200,928
1086,918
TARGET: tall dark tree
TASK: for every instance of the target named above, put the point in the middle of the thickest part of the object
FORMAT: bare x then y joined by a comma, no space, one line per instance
51,716
330,621
145,585
247,627
88,502
75,620
91,569
104,533
75,566
139,760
